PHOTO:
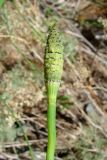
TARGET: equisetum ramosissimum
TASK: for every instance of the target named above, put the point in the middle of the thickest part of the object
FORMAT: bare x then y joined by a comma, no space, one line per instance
53,64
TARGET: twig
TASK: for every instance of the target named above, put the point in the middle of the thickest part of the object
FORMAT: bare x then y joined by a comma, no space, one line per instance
14,37
79,35
7,145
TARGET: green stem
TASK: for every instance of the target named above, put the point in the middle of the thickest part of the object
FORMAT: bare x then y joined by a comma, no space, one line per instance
52,90
51,131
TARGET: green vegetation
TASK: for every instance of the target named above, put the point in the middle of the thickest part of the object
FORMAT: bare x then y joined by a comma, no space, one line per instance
90,146
53,71
66,101
1,3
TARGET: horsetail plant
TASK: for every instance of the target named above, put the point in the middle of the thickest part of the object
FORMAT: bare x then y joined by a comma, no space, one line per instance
53,62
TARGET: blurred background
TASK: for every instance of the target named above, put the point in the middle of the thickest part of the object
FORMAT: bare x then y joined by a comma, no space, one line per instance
82,99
